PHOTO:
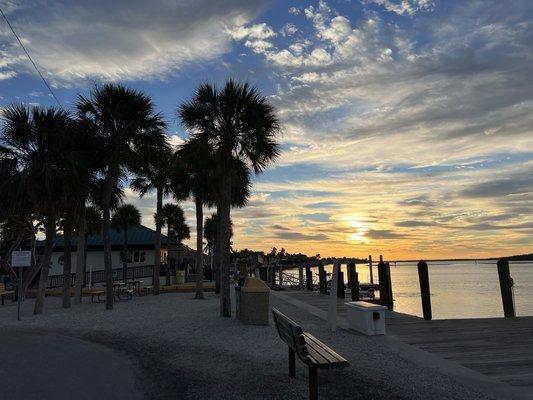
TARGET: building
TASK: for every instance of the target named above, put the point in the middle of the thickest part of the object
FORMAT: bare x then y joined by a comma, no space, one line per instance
141,249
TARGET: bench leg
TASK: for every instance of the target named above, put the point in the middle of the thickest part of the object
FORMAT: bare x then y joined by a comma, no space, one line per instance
313,383
292,364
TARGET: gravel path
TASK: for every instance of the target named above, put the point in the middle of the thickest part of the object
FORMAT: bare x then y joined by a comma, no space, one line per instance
179,348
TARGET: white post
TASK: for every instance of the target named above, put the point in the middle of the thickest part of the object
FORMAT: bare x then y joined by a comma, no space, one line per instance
332,307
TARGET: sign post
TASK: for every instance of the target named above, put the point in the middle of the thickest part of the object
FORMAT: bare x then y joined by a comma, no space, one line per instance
20,259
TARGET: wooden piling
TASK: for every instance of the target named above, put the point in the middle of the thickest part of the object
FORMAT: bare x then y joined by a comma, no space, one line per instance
385,285
308,277
506,288
322,279
370,269
353,281
301,277
423,277
340,285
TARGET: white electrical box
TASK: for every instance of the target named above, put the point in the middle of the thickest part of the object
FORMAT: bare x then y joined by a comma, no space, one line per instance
366,318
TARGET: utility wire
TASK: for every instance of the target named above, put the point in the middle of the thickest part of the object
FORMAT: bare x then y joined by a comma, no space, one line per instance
29,57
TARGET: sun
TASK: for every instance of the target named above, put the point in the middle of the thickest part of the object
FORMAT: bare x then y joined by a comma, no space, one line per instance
360,228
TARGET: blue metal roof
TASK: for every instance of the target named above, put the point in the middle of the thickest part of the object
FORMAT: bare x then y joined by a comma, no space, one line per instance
137,236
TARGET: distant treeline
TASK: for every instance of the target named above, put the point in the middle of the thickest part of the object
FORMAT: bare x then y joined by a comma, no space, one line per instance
521,257
283,257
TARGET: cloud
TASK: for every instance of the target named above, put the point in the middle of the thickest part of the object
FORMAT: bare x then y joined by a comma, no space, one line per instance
404,7
523,183
378,234
301,236
123,40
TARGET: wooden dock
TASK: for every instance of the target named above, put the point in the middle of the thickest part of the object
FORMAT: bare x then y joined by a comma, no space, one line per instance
501,348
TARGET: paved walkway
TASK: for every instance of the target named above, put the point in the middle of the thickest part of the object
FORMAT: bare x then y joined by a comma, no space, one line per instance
54,367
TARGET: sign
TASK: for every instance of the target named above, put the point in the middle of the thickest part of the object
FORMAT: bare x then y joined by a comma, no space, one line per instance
21,258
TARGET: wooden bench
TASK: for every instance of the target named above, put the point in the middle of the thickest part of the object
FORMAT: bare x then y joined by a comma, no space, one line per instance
97,293
311,351
4,292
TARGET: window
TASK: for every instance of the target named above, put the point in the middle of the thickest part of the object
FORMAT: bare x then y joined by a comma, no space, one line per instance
136,256
129,256
142,257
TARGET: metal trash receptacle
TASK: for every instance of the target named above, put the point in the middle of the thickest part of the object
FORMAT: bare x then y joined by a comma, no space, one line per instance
180,277
254,302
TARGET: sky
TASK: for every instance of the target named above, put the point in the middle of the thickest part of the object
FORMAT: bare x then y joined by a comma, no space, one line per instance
407,125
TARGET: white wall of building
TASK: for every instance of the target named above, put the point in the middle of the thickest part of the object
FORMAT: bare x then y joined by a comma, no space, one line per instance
95,260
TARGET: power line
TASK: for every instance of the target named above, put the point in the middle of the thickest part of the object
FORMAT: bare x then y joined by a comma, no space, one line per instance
29,58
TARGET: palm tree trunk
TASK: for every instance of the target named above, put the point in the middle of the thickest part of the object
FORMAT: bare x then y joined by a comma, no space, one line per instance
168,247
80,255
216,257
67,262
157,254
50,231
199,249
126,256
225,244
109,183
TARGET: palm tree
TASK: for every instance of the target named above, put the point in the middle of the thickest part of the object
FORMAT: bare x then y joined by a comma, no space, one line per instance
82,160
125,123
241,127
34,138
153,173
197,172
173,217
126,216
89,223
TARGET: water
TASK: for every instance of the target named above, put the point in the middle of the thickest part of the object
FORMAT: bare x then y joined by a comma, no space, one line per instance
459,289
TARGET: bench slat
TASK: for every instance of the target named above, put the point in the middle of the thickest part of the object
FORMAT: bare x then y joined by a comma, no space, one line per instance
327,352
309,349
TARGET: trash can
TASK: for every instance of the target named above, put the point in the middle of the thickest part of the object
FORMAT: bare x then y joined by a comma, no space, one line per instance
180,277
253,302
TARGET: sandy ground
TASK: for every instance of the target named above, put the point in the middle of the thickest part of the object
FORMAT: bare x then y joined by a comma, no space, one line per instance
175,347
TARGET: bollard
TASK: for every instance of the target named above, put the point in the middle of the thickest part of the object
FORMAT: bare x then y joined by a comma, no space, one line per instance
322,279
506,288
423,277
301,277
353,281
308,277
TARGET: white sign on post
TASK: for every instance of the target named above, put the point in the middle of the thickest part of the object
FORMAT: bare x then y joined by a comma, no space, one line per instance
21,258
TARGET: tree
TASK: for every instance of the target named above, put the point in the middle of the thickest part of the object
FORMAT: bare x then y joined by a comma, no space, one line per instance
82,160
173,217
126,216
197,172
125,123
197,159
152,172
241,127
34,139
